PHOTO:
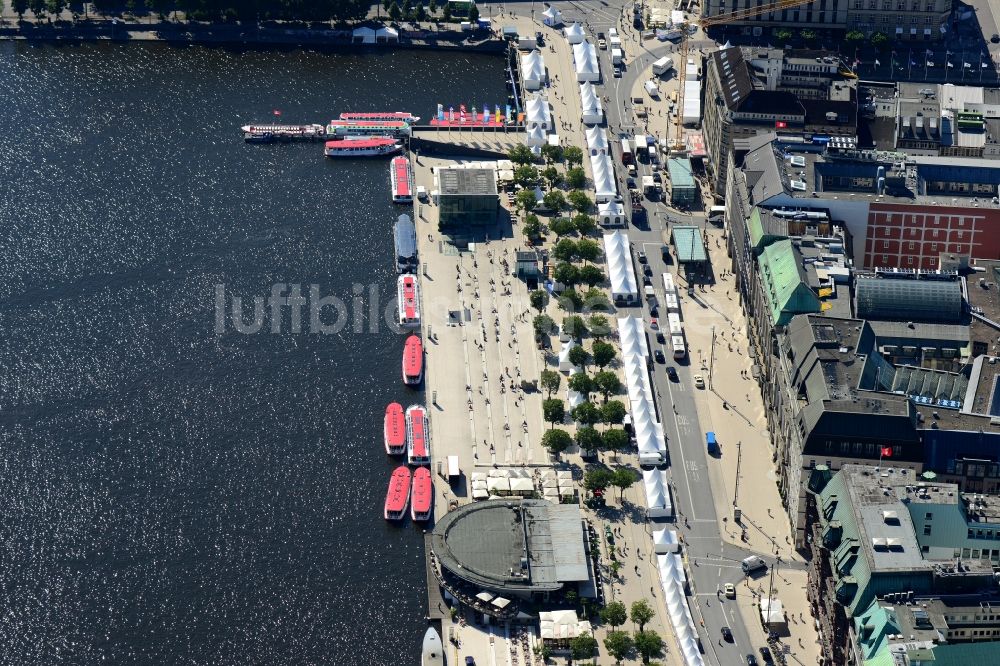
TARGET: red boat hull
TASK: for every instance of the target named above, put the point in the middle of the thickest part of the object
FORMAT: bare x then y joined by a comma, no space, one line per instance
398,495
413,361
394,429
422,495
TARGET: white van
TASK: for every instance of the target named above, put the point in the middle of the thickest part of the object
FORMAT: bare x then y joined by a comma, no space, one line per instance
663,65
753,563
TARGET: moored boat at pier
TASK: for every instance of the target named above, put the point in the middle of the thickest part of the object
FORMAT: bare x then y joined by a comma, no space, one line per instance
394,429
377,146
413,361
432,652
418,450
401,178
398,116
405,236
408,301
397,497
421,495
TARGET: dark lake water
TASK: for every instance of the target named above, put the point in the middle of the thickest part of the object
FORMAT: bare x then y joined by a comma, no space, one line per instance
170,495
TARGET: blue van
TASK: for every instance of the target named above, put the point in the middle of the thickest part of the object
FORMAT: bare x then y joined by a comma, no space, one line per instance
713,446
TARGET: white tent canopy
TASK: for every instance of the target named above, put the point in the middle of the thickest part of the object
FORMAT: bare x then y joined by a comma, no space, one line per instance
631,331
597,139
562,625
387,34
658,503
772,614
622,274
665,541
536,136
692,102
593,110
364,34
552,17
611,214
672,579
605,186
532,70
564,363
585,62
574,33
537,112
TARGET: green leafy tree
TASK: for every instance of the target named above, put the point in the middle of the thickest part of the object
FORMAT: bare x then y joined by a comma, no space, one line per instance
607,383
585,224
395,13
474,15
573,155
420,13
623,478
641,613
550,380
587,438
520,154
808,35
782,34
576,178
581,383
597,299
613,413
614,614
586,413
446,16
879,39
386,4
432,7
619,645
648,644
587,249
37,8
604,354
554,411
591,275
554,200
854,37
538,299
19,7
552,176
562,226
579,201
565,250
597,478
566,273
583,646
575,326
578,356
533,228
552,153
56,7
543,325
525,200
526,175
614,440
599,328
570,300
556,440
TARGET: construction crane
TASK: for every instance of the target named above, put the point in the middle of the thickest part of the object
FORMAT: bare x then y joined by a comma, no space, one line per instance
709,22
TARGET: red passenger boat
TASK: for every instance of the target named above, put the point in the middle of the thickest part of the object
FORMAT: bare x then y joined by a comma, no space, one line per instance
408,301
413,361
397,498
395,429
422,497
418,449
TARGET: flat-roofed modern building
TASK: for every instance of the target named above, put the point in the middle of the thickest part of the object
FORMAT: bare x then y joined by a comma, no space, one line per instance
467,198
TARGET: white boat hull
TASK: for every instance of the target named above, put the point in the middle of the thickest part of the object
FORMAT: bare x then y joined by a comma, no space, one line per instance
432,653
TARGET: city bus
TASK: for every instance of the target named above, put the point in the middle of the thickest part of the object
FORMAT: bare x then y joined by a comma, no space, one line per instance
677,342
671,303
668,284
627,152
674,324
716,214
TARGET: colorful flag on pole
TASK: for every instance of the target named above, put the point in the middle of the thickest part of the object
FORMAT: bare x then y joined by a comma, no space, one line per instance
877,63
508,117
277,112
887,451
950,64
461,113
440,111
451,114
497,120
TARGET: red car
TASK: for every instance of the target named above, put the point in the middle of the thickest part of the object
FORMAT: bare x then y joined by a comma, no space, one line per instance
654,324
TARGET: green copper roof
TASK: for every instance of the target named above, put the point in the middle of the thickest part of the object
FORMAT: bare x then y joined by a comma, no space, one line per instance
873,627
784,283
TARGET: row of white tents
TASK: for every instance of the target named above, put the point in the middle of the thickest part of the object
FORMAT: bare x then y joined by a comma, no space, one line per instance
603,170
658,502
597,140
532,70
624,288
366,35
585,62
593,108
649,436
674,580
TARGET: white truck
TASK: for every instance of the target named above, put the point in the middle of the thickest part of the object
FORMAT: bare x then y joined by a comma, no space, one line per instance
652,90
617,56
663,65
